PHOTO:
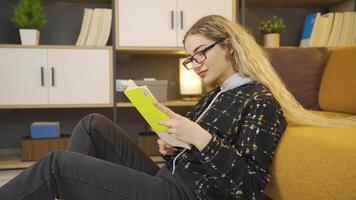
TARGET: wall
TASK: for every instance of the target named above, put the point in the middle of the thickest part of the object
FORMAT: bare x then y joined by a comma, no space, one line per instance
293,18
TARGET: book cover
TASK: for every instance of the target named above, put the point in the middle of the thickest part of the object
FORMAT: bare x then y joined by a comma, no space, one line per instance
94,27
329,17
87,16
346,29
353,40
316,31
142,99
350,23
336,30
307,29
106,28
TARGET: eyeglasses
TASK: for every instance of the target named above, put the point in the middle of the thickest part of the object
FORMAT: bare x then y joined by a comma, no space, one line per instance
200,56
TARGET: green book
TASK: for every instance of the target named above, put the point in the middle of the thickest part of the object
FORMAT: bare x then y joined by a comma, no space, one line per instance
142,99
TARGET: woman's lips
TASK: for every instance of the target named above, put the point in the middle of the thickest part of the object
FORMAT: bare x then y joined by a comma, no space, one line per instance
202,73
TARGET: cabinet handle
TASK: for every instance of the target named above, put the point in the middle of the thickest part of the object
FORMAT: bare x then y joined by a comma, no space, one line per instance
42,78
172,19
52,70
181,20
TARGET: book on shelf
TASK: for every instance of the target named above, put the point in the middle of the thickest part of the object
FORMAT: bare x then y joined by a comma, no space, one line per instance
87,16
327,24
309,25
346,31
329,30
143,100
354,28
104,32
336,30
316,30
96,27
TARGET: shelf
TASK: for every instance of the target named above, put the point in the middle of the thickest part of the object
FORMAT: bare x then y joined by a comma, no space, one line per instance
47,46
293,3
13,162
79,1
175,103
151,50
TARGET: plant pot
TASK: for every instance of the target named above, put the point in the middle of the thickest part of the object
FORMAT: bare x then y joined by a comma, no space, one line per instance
271,40
30,36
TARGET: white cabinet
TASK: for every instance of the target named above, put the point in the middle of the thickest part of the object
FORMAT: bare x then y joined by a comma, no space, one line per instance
22,76
147,23
55,77
190,11
79,76
163,23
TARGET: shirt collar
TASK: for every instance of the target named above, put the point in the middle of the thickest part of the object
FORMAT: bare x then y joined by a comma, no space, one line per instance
234,81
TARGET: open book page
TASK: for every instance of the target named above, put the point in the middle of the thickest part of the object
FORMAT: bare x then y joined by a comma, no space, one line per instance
142,98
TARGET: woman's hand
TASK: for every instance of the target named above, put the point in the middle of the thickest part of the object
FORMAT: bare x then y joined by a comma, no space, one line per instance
166,149
184,129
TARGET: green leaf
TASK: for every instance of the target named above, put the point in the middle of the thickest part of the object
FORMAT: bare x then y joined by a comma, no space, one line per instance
272,25
29,14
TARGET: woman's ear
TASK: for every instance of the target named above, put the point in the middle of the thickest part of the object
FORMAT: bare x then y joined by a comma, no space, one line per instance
228,44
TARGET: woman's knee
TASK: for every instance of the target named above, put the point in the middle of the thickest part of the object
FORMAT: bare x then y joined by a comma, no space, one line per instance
53,159
93,120
95,117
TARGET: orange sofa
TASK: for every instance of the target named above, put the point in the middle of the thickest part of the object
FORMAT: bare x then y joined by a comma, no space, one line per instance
313,163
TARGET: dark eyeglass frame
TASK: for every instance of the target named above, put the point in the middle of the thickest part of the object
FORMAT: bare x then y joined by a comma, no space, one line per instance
190,59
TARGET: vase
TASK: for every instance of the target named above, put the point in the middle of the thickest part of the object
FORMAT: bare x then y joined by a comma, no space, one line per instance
271,40
30,36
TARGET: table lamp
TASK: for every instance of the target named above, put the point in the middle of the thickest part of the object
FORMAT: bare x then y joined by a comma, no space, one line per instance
190,84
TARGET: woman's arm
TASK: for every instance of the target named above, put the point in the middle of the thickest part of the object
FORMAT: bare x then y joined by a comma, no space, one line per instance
241,167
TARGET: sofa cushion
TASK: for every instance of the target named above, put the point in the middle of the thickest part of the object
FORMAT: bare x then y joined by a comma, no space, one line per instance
301,70
314,163
338,84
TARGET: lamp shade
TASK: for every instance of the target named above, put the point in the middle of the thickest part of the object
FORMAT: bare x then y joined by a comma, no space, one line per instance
189,82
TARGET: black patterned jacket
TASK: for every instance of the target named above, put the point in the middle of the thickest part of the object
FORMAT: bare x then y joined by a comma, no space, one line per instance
246,124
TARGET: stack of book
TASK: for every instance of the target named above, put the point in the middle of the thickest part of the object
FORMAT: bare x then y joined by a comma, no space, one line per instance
96,26
329,30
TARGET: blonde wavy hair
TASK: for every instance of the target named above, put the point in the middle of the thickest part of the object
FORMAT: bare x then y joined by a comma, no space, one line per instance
249,59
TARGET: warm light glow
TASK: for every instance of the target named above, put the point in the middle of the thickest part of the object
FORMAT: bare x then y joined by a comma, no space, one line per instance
189,82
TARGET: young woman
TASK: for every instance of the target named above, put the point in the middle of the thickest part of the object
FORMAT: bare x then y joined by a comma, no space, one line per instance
233,130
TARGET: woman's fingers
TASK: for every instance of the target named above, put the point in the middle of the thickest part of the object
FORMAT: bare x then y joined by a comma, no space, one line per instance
165,148
165,109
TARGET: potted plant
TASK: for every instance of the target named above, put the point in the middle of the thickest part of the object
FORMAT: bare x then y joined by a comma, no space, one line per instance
271,29
29,18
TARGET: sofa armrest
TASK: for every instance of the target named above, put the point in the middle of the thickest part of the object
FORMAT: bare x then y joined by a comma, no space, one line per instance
314,163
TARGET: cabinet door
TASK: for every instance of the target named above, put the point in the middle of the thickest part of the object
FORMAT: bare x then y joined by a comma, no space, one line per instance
22,76
190,11
147,23
79,76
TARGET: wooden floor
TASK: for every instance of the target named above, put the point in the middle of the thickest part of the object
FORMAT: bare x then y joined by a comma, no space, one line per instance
6,175
13,162
11,165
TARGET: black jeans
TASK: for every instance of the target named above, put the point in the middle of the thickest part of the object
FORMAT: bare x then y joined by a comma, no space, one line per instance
101,163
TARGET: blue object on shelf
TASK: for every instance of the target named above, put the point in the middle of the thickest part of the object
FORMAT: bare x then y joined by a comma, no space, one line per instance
41,130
